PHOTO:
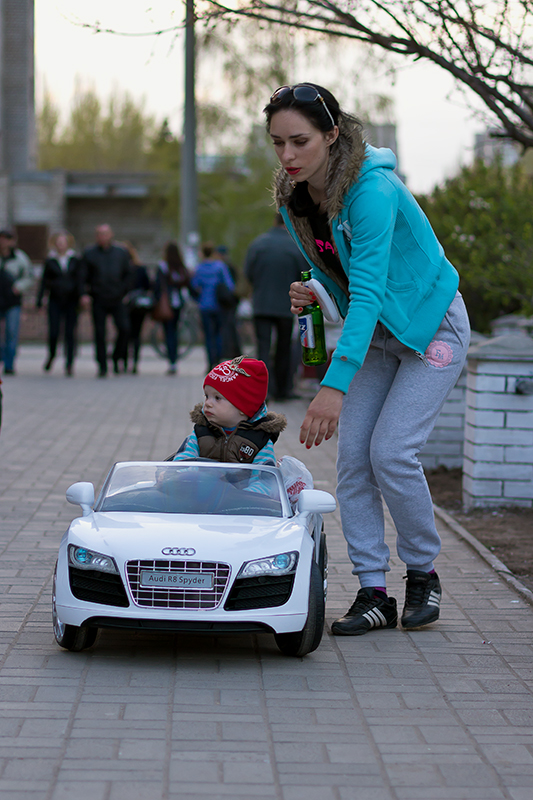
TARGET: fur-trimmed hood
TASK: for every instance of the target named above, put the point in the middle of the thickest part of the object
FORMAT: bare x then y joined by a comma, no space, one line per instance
344,168
348,163
270,422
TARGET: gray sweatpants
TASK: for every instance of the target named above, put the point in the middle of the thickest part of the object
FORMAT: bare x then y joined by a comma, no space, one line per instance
387,415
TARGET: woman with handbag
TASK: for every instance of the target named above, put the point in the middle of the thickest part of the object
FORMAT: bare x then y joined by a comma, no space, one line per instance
171,278
140,301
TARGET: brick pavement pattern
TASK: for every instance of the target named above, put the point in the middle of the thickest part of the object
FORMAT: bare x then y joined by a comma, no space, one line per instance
443,713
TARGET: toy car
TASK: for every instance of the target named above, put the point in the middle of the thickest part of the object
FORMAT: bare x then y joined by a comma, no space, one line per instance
193,546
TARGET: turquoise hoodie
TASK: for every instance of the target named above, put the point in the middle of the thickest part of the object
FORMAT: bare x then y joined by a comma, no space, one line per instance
397,271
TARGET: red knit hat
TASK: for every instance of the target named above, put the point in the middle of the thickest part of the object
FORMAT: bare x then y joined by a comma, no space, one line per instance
243,381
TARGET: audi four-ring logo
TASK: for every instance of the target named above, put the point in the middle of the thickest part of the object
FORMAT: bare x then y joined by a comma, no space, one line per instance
178,551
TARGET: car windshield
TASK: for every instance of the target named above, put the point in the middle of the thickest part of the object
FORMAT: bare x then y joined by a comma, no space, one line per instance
189,488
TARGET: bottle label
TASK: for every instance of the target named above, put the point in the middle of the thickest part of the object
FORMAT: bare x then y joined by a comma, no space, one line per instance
307,331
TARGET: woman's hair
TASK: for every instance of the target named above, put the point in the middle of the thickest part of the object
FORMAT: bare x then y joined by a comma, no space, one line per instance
350,128
173,258
208,248
132,252
314,111
54,237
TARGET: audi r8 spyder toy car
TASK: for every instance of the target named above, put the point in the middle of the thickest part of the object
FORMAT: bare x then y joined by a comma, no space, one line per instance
193,546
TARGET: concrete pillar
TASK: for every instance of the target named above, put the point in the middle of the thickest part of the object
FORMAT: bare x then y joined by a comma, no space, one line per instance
498,447
18,154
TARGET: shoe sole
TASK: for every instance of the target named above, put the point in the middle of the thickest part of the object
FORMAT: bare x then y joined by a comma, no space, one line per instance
337,632
431,618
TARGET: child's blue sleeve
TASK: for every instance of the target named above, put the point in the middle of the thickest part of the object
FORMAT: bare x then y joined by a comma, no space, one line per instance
266,455
188,449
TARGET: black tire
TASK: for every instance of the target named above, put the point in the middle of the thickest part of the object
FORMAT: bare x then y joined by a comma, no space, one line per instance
323,560
305,641
71,637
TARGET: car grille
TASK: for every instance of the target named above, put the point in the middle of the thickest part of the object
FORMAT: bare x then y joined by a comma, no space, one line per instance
158,597
266,591
97,587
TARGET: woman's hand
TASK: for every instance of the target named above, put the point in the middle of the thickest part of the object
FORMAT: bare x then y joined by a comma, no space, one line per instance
300,296
322,416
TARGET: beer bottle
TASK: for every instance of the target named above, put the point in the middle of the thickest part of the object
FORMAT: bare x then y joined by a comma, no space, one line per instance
312,337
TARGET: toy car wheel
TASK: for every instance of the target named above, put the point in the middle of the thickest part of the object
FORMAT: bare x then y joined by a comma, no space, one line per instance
305,641
323,560
71,637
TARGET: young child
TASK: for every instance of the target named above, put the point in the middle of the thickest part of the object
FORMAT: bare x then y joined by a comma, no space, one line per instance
233,423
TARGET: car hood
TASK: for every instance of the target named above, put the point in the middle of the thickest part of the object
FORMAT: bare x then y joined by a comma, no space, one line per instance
129,536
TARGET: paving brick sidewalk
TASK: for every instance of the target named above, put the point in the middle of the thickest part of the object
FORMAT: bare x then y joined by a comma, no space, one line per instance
444,713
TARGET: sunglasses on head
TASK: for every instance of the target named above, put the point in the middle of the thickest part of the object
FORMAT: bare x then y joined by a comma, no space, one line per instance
303,94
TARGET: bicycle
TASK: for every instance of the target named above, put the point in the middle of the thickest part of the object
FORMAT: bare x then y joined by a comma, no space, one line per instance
188,332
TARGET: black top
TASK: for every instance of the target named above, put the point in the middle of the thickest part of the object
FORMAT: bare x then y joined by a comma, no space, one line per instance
64,286
107,273
302,205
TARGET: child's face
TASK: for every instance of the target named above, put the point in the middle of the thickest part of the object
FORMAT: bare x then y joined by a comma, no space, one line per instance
219,410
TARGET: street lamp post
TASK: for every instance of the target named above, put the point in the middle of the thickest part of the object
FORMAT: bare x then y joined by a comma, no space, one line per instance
189,234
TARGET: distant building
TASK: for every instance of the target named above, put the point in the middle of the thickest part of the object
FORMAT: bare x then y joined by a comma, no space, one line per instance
491,145
384,136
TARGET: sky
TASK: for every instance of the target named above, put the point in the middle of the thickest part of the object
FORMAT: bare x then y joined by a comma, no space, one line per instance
435,126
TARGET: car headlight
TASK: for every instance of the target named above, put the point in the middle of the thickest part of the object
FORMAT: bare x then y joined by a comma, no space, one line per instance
282,564
83,558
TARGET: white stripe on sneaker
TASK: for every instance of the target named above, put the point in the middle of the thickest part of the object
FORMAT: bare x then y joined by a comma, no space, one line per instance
375,618
434,599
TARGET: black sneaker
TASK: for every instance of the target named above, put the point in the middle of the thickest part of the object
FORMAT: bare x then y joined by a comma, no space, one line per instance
422,598
367,611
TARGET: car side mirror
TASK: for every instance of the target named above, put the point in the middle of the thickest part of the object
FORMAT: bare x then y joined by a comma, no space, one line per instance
81,494
315,501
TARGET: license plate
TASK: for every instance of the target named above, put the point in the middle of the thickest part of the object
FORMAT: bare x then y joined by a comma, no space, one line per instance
176,580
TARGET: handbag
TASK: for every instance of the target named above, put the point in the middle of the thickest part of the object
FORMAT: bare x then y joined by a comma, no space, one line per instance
225,297
140,298
162,310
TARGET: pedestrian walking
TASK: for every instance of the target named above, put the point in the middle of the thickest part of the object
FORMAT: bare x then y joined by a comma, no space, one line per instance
211,283
401,350
106,276
139,302
16,277
231,343
172,278
61,282
273,262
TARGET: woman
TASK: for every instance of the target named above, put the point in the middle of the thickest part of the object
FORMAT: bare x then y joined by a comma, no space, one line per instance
61,279
402,347
172,277
139,302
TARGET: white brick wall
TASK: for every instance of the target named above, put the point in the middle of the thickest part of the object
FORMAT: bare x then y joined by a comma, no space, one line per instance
498,434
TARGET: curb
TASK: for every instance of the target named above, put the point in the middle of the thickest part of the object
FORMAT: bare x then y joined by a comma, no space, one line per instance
494,562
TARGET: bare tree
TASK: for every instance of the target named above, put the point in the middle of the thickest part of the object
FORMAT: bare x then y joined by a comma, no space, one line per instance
486,45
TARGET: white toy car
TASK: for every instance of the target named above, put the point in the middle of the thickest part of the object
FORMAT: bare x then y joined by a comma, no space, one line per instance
193,546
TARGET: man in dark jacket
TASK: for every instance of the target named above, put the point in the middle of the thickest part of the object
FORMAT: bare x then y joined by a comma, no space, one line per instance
106,273
273,262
